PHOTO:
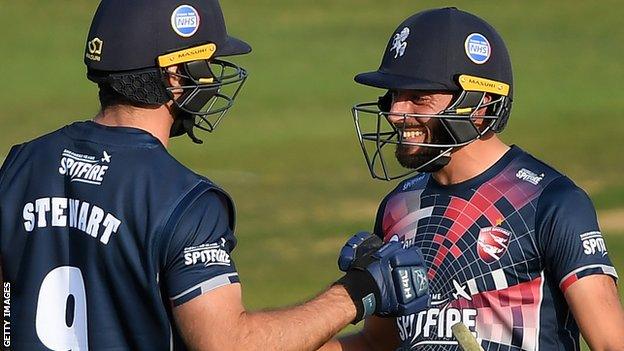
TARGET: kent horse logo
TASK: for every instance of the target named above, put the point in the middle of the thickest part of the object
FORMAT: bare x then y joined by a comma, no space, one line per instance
464,213
398,42
492,243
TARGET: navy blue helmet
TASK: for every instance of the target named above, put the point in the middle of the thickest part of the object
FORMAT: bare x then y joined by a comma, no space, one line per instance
132,43
440,50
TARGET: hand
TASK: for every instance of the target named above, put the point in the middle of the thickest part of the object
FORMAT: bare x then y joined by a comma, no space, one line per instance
359,247
389,281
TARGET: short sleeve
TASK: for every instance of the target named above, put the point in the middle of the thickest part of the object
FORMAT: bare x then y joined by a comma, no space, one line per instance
569,236
198,255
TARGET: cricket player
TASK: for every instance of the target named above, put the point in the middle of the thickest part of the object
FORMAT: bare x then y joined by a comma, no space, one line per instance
512,246
108,243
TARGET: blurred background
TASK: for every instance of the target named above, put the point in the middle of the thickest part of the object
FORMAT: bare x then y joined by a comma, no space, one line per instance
287,151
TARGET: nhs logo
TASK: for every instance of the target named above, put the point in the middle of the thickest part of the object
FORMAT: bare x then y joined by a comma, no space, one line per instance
185,21
477,48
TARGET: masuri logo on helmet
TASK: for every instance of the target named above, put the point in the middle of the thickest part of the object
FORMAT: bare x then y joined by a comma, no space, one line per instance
94,49
446,50
144,37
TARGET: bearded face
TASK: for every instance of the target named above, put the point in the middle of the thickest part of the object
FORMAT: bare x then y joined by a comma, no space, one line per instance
412,156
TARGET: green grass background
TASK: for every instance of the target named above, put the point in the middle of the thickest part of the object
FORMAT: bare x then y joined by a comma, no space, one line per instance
287,152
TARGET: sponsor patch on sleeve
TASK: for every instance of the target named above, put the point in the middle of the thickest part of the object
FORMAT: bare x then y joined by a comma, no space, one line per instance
593,243
207,255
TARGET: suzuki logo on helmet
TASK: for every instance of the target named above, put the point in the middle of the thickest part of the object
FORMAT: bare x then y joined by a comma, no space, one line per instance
398,42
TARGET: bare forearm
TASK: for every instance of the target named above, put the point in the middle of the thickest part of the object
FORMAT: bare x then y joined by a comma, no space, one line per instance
305,327
217,319
602,321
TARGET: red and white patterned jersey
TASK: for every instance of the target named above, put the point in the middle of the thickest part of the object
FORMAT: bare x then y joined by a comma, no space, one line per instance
501,248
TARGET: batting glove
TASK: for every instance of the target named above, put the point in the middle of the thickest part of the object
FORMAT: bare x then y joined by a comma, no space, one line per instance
387,281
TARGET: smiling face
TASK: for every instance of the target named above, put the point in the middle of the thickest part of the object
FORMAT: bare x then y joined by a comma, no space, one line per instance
417,130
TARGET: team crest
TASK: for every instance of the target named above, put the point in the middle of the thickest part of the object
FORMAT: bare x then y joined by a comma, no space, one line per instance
492,243
477,48
185,21
398,42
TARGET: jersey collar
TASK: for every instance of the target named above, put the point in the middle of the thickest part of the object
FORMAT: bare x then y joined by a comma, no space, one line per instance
101,134
474,183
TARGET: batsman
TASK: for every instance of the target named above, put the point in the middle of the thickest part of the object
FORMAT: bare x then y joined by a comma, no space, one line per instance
109,243
513,247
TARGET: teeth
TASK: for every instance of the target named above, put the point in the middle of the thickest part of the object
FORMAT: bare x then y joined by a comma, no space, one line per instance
413,134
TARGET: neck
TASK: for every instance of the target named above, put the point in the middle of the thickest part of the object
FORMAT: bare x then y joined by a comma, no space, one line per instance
156,121
471,160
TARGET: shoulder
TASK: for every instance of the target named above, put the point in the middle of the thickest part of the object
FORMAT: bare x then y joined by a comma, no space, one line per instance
45,139
557,190
12,155
563,196
202,206
564,210
196,201
203,191
413,184
21,154
527,179
204,214
33,144
210,201
163,159
10,159
561,189
418,182
528,168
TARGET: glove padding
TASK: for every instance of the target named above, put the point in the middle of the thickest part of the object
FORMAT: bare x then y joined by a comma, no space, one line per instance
389,281
358,248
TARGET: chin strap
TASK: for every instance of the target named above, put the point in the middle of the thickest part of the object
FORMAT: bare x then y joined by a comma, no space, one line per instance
183,123
435,165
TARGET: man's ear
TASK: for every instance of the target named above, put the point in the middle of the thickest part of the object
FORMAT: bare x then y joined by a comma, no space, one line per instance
482,112
173,78
487,98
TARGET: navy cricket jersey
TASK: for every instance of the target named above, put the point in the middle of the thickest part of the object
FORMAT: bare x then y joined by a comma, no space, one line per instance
501,248
102,232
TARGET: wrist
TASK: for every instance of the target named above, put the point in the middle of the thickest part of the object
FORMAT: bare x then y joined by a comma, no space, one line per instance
342,301
362,290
